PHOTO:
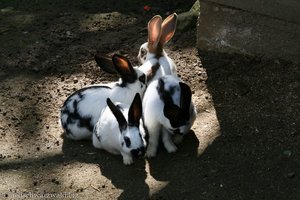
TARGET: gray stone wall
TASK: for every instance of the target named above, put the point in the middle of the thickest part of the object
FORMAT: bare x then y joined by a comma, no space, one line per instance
258,27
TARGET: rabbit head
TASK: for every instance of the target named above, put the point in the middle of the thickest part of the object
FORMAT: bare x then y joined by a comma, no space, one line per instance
131,77
131,140
159,33
181,117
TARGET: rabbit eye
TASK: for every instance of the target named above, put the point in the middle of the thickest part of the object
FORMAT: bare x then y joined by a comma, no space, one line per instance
127,141
143,52
142,78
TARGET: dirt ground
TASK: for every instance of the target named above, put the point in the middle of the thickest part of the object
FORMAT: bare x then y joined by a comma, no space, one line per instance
46,53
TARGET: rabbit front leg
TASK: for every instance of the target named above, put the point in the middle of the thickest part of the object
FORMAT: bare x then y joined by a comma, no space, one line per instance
127,158
167,140
153,141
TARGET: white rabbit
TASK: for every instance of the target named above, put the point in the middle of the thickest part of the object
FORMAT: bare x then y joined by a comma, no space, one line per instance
82,109
167,110
117,130
152,52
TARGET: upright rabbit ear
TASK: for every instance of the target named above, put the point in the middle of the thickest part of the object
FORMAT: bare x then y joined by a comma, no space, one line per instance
168,29
105,63
118,114
172,112
154,33
124,68
135,111
185,98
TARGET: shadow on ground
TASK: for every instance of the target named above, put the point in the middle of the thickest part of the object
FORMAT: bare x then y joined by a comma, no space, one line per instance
256,104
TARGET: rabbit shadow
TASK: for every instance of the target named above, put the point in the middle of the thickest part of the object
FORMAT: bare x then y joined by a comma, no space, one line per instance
130,179
174,169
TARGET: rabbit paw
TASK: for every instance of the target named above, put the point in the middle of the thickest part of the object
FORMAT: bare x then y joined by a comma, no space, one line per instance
171,148
127,160
150,153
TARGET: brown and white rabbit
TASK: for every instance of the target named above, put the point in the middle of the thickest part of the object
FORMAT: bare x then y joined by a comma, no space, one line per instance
155,61
152,52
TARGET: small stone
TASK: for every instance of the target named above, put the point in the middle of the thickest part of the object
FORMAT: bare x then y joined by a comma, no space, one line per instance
7,9
291,174
35,183
22,98
68,33
35,69
287,153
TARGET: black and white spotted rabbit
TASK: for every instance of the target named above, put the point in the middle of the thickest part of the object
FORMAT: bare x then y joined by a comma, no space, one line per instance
168,111
117,130
82,109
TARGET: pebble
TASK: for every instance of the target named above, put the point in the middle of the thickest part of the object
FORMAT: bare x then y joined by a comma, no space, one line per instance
35,183
68,33
287,153
35,69
21,98
7,9
55,181
291,174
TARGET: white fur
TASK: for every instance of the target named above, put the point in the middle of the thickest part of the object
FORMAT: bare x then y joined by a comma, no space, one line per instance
167,65
156,122
95,100
111,139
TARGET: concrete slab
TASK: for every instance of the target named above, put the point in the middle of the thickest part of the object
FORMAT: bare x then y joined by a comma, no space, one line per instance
288,10
227,29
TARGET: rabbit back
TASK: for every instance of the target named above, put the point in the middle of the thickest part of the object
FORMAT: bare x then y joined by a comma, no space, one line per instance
82,109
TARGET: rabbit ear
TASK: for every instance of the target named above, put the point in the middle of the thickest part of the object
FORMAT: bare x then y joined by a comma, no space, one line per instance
135,111
118,114
124,68
168,29
105,63
154,33
172,112
185,98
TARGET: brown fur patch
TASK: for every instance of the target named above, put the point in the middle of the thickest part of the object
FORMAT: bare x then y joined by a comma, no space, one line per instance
151,73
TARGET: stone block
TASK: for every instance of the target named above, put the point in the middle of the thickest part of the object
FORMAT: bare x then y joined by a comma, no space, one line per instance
227,29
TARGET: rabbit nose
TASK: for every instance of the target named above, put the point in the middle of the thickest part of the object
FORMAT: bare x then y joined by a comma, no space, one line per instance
138,153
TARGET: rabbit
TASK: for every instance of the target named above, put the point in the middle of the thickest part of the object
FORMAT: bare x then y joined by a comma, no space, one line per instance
117,130
82,109
168,110
155,61
152,52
